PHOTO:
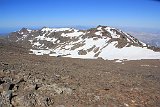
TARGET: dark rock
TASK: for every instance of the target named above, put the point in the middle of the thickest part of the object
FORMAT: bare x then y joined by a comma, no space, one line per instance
11,86
1,81
21,80
48,101
37,86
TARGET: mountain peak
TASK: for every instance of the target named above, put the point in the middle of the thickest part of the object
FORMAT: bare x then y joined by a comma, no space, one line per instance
102,41
44,27
101,26
23,29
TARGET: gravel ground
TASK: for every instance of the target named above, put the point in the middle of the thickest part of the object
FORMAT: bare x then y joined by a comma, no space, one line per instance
43,81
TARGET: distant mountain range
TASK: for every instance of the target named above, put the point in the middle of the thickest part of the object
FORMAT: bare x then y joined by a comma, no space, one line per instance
147,35
101,42
152,39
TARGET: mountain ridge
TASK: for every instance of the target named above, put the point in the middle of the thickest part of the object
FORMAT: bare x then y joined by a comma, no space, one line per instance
103,41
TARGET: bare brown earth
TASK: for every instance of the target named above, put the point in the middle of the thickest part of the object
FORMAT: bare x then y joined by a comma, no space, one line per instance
43,81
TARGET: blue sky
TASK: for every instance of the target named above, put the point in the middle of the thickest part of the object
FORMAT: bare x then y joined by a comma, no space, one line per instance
38,13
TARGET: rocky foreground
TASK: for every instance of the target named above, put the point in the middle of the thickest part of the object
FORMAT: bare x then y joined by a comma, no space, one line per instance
44,81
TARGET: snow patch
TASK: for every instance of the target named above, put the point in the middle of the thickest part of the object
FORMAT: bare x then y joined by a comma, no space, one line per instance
56,29
98,33
73,34
113,34
131,53
36,44
119,61
39,52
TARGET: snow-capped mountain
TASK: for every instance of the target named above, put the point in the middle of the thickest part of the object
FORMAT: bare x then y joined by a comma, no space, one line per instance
100,42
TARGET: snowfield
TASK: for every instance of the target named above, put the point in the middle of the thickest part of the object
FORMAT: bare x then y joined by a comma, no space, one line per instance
108,53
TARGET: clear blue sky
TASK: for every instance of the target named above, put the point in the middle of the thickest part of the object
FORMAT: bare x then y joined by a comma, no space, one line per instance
38,13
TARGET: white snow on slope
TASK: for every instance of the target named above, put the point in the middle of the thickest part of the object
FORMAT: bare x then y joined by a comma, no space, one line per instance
130,53
43,37
73,34
36,44
105,50
109,52
99,33
113,34
40,52
56,29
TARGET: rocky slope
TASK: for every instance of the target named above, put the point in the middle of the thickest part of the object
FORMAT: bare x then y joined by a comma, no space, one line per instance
100,42
42,81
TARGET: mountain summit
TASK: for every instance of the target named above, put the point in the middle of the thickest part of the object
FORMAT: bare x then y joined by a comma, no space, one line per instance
101,42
